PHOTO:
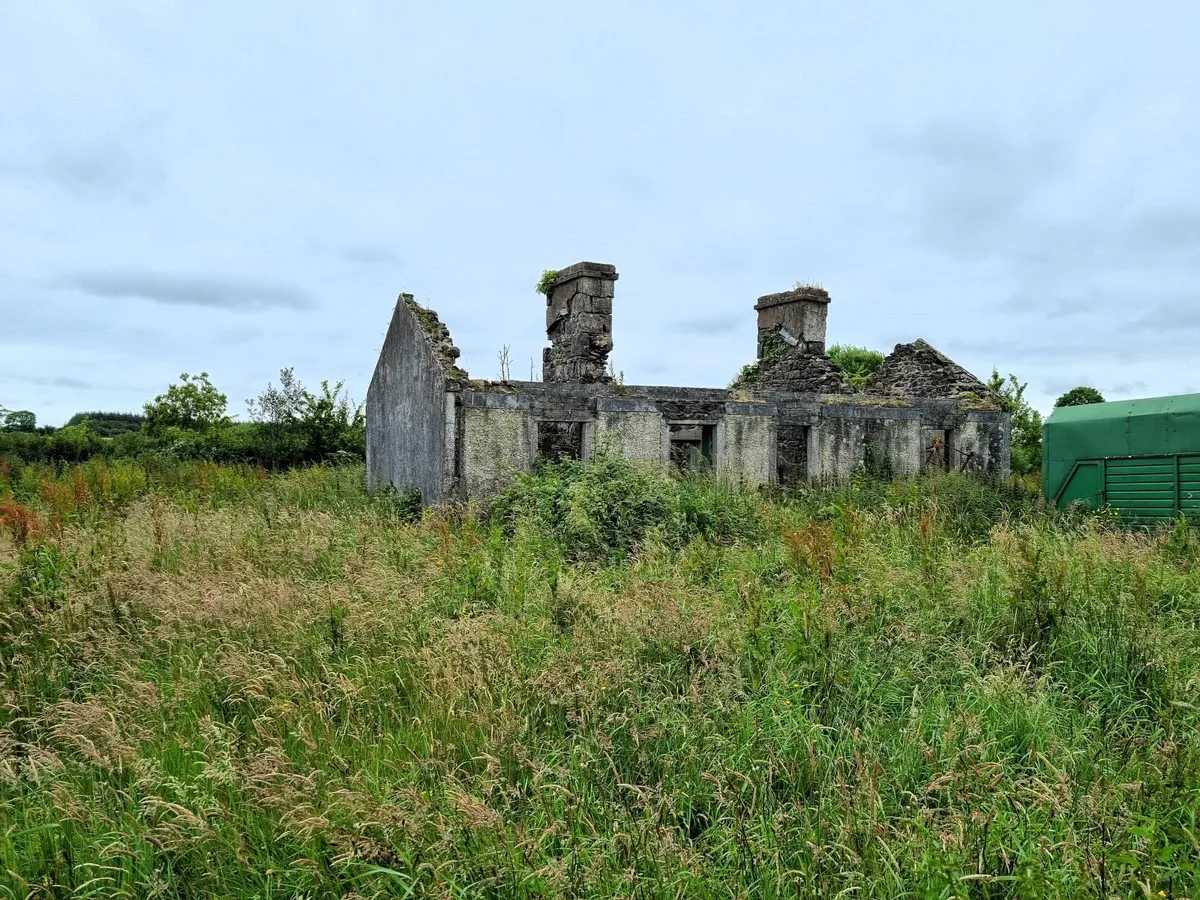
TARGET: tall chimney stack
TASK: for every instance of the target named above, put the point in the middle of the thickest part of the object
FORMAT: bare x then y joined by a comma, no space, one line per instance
799,316
579,324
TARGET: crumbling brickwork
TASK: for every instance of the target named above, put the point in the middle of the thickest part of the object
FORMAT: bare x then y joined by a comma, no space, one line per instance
438,337
798,370
918,370
579,324
791,416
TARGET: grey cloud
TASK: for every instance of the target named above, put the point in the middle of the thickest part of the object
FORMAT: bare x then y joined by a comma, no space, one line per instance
58,381
718,324
1112,345
368,254
1169,318
215,291
1166,229
93,172
978,190
977,179
1058,386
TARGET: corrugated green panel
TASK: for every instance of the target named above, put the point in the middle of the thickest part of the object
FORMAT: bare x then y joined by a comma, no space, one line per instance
1189,486
1142,490
1154,427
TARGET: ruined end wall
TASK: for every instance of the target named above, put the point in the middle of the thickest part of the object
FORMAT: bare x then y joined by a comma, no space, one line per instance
406,405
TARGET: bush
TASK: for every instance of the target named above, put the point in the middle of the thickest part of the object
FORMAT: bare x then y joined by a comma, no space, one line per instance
858,363
604,509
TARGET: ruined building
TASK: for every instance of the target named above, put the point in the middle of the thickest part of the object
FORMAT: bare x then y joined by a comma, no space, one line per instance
789,417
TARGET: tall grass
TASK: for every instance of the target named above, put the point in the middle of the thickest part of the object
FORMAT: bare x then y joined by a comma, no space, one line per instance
215,682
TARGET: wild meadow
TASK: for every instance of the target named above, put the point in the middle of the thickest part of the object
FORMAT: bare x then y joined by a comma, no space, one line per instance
219,682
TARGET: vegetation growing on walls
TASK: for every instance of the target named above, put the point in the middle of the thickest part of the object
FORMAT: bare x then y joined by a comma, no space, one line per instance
751,374
858,364
546,282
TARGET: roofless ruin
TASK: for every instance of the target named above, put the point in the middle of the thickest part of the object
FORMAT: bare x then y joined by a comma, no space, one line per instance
791,416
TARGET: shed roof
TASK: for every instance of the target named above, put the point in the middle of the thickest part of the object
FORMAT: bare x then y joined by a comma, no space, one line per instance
1153,426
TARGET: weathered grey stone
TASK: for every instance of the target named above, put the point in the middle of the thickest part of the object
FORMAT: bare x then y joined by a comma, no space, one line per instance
587,270
581,338
800,370
406,404
918,370
793,418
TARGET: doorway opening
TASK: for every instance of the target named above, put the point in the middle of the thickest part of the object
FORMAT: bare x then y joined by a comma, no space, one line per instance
692,446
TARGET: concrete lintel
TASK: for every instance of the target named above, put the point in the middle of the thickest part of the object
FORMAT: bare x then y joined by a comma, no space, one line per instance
751,409
990,416
854,411
480,400
625,404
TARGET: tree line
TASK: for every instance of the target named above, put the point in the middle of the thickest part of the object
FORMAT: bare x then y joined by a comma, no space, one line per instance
288,425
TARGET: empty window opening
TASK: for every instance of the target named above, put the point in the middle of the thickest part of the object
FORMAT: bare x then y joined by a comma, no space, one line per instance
557,440
691,446
792,447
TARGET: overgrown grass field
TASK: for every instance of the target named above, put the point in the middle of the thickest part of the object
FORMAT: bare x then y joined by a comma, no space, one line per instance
216,682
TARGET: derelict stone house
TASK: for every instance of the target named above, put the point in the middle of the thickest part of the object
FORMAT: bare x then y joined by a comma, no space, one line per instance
790,416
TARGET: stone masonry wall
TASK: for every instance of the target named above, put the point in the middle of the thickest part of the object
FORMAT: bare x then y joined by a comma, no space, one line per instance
918,370
579,324
799,370
406,406
803,312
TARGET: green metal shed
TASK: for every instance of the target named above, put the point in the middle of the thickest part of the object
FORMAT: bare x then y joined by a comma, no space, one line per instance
1140,457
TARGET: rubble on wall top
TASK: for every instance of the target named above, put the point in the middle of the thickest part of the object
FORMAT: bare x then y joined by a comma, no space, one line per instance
809,293
920,370
788,367
439,337
814,373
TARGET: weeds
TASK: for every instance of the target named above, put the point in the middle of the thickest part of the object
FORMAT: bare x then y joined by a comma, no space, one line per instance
215,682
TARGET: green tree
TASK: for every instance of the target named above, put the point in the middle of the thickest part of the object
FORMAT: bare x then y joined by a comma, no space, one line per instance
1026,423
1079,396
194,404
300,426
18,420
109,424
858,363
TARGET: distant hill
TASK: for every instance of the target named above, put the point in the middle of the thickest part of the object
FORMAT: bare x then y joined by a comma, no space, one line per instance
109,424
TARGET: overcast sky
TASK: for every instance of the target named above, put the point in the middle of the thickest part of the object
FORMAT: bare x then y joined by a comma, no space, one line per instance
236,187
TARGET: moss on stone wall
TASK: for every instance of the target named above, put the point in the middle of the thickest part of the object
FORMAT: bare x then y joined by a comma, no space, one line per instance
439,338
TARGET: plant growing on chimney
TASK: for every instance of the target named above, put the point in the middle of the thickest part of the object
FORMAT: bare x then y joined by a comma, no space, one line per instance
546,282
